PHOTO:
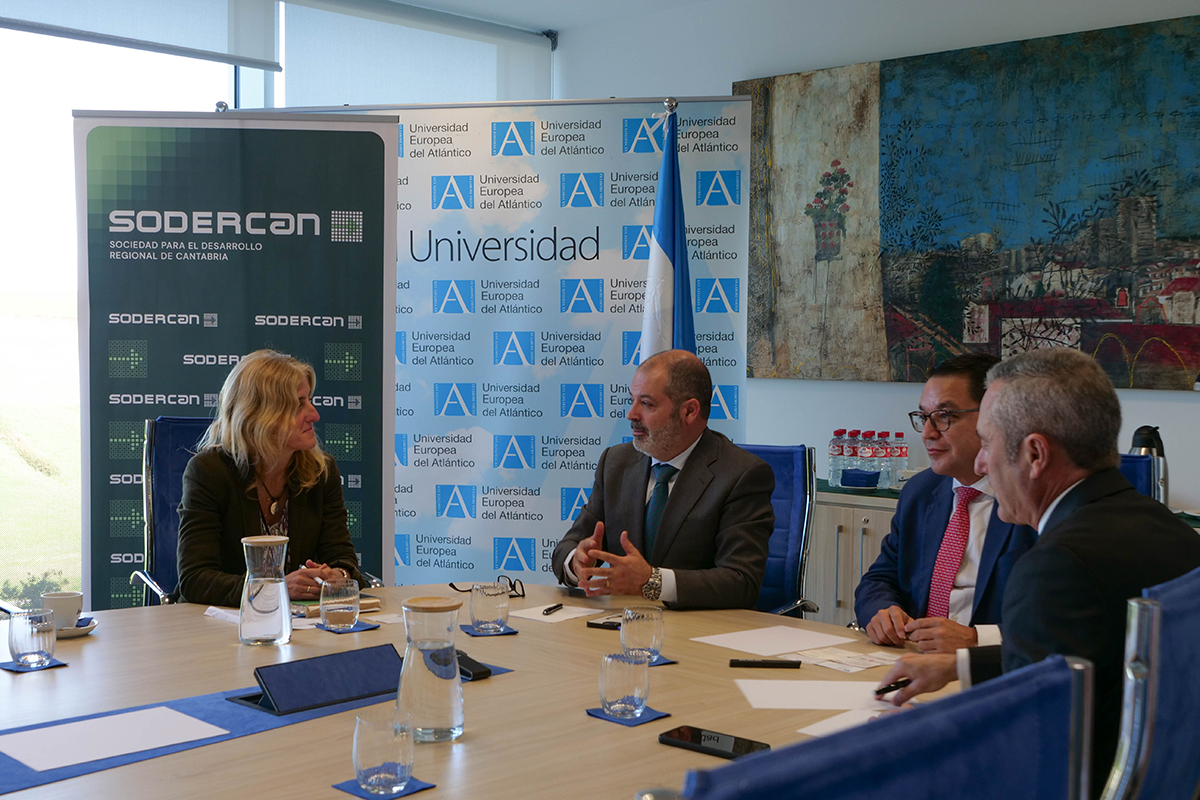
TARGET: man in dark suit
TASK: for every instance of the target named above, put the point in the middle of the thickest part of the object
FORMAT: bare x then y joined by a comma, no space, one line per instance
941,571
691,531
1048,427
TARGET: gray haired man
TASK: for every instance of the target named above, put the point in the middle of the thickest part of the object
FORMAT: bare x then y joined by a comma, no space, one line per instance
1048,426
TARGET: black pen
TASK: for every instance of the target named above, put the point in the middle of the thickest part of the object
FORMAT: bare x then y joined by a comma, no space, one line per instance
891,687
548,610
764,663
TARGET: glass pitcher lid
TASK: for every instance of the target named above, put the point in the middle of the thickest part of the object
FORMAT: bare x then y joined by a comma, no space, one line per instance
432,604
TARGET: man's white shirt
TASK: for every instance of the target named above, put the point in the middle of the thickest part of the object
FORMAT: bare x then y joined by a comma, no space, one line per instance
669,591
962,594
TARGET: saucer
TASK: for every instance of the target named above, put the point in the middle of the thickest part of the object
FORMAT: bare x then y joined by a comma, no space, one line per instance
75,633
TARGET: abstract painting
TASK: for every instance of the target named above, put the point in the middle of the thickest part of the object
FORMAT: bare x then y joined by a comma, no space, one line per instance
1001,198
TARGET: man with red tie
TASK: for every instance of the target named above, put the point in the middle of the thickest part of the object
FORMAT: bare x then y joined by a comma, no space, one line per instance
1048,427
940,575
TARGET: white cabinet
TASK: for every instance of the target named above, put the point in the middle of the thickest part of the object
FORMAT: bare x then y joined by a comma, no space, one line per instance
847,533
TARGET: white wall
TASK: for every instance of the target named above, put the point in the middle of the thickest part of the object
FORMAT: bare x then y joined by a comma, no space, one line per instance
702,49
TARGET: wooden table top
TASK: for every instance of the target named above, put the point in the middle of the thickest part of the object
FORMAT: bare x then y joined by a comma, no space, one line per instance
526,732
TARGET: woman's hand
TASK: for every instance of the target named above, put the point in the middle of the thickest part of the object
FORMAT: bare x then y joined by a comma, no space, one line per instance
305,583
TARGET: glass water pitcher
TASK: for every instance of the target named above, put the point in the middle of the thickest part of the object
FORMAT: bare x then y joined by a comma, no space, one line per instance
266,616
430,687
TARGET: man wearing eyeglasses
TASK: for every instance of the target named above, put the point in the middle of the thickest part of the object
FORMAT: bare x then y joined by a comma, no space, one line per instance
940,575
1048,426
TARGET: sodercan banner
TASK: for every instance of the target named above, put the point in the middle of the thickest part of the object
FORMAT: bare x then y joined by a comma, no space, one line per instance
205,237
523,242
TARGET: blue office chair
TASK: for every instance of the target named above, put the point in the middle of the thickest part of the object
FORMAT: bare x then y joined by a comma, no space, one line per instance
1142,472
793,500
1023,734
1158,754
170,444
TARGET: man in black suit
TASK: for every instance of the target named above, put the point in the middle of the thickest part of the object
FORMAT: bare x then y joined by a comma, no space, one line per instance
713,507
1048,427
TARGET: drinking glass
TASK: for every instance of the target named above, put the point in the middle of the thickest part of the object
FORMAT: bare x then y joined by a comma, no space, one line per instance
489,607
383,749
31,637
642,631
339,604
624,684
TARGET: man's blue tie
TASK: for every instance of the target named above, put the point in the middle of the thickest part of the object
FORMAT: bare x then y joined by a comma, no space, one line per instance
658,502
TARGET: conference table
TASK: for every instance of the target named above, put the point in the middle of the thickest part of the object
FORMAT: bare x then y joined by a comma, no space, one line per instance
526,732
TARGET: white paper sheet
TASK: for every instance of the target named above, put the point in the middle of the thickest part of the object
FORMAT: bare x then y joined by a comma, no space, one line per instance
842,660
55,746
390,619
561,615
883,658
847,719
305,623
820,695
773,641
223,614
807,657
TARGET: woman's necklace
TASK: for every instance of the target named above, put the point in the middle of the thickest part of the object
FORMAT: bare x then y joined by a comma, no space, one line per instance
275,498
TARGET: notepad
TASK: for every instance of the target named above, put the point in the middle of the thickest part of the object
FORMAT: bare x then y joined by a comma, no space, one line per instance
54,746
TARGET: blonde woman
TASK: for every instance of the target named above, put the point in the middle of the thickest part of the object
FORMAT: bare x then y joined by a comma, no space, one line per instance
259,470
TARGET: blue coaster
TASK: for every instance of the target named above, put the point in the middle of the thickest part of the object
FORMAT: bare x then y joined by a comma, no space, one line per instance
649,715
661,660
469,630
412,787
13,666
358,627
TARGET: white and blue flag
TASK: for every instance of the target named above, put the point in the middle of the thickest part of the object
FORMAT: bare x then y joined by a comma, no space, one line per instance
667,316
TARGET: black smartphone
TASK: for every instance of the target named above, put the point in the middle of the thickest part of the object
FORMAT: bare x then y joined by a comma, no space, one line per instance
470,669
609,622
721,745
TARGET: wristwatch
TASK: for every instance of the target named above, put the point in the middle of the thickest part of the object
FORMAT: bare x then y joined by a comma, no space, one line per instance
652,588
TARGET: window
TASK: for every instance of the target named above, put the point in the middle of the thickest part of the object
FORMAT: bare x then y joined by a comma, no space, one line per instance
40,471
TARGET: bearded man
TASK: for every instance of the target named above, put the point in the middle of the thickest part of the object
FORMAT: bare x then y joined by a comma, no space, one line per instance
680,514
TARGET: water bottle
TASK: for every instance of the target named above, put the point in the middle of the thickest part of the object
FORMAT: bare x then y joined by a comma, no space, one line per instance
867,460
266,612
837,459
430,687
850,450
883,450
899,458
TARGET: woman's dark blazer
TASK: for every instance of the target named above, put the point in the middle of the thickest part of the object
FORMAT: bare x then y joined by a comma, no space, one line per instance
219,508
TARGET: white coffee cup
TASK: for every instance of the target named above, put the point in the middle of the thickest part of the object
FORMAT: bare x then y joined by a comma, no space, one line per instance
66,607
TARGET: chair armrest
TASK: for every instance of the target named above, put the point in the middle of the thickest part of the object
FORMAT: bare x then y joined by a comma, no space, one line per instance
152,585
372,580
797,609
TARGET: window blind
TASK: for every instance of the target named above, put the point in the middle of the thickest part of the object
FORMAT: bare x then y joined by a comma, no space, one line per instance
240,32
365,52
